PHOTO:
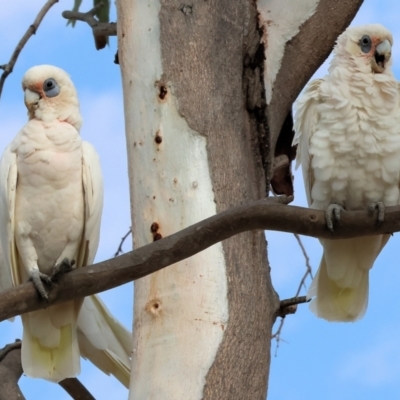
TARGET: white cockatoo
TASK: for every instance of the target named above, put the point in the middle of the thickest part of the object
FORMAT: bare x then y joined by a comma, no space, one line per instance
51,199
348,134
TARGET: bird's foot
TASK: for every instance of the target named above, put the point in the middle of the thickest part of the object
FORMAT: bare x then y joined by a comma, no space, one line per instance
332,213
38,278
66,265
381,211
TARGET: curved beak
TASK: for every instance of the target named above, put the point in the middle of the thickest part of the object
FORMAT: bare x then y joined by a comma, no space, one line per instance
31,98
381,56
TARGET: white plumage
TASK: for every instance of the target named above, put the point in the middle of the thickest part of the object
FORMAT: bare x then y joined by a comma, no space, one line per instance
348,134
51,199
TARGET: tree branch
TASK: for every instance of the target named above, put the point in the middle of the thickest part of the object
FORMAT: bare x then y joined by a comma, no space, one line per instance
309,48
10,372
9,347
75,389
98,28
8,68
289,306
269,214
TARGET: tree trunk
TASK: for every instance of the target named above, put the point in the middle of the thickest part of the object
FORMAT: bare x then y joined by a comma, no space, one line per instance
202,327
198,143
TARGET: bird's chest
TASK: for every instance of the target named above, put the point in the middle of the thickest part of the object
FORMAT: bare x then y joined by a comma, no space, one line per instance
51,169
356,155
51,155
49,198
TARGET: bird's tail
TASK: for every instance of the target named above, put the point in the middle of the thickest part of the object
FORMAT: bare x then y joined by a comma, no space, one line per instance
341,284
103,340
49,344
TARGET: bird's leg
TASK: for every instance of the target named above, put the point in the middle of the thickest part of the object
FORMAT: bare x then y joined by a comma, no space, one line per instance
332,213
38,278
381,211
66,265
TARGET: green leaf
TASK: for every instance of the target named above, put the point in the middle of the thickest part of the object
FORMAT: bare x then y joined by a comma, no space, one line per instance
77,4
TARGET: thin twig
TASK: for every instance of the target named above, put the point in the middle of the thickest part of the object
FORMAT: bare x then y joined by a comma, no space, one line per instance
119,250
8,68
292,308
308,266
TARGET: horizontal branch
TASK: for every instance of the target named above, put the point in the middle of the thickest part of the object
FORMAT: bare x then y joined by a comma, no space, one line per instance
266,214
289,306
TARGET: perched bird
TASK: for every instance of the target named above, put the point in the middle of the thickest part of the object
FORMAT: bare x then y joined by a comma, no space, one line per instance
51,199
348,134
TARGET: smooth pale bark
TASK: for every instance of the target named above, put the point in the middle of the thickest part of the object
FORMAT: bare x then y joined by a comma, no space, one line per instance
180,313
277,35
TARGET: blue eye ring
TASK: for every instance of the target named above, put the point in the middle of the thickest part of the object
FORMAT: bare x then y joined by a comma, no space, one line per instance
365,44
50,88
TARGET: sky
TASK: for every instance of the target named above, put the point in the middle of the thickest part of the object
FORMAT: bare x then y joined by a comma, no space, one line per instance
316,359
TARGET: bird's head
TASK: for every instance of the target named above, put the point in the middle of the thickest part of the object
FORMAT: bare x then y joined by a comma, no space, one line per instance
368,46
50,95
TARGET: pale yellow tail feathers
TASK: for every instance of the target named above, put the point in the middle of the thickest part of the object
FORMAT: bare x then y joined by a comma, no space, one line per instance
52,364
334,303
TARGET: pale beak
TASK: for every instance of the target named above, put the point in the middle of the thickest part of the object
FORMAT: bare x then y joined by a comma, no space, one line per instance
381,56
31,98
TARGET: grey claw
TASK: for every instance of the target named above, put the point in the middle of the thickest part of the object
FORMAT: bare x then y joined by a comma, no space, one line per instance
62,268
381,211
332,213
38,278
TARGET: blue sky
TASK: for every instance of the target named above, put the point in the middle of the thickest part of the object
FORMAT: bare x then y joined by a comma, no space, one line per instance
318,360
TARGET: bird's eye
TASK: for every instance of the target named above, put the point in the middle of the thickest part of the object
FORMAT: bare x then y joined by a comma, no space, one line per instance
365,44
51,88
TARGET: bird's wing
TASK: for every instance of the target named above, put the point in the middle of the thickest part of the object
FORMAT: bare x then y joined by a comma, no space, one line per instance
9,273
93,192
103,340
306,120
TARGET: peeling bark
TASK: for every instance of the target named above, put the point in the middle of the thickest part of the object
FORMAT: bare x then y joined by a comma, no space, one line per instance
307,35
184,309
208,68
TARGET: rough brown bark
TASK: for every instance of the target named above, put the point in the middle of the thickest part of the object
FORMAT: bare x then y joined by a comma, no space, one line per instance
10,372
203,51
75,389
